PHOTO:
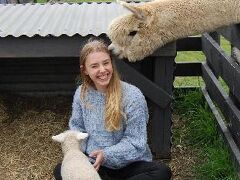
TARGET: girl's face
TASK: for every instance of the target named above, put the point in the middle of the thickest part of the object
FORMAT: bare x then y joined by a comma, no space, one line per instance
98,66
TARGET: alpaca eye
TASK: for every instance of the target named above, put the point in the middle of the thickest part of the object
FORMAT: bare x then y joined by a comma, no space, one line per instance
132,33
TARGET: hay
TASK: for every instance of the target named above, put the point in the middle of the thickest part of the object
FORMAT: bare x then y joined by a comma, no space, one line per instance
183,157
27,151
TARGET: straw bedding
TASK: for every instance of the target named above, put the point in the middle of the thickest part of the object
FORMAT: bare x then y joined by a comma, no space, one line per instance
27,151
27,124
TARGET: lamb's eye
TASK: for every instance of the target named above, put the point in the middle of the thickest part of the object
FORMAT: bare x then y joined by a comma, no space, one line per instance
132,33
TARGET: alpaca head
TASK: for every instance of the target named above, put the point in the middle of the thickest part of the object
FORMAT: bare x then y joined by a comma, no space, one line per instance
131,34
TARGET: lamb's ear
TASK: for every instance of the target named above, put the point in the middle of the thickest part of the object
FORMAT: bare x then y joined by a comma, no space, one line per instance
82,136
59,138
138,12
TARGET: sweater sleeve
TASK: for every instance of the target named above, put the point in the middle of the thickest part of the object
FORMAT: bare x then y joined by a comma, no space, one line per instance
76,119
134,142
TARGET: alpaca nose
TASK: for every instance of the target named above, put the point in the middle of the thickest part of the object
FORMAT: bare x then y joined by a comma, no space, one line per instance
111,47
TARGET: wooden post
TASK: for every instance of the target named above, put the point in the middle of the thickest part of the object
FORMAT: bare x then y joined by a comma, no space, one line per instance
162,117
215,36
154,76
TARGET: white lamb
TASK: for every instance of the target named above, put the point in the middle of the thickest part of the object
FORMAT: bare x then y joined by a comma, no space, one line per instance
153,24
75,165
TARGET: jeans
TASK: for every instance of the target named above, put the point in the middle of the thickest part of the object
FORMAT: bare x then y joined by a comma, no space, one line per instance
140,170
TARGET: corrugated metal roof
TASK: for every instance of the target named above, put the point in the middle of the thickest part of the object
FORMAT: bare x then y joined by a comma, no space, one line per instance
3,1
57,19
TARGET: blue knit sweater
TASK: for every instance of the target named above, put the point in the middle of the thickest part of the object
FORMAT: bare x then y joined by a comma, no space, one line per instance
121,147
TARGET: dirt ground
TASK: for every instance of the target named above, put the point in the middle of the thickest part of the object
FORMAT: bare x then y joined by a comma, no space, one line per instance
27,151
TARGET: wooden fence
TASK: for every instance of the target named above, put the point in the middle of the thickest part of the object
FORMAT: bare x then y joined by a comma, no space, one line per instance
220,65
219,68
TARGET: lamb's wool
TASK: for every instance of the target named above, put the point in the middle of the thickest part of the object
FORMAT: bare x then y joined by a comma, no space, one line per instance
75,164
162,21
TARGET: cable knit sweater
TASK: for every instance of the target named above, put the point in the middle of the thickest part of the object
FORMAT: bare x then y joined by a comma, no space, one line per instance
121,147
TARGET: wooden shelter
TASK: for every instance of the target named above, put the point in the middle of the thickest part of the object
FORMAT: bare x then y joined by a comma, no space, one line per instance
39,57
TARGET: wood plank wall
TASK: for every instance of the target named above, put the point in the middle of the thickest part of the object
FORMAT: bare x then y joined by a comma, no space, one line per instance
39,76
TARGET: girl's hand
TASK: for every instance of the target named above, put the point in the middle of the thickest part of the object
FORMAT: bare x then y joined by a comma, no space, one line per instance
98,154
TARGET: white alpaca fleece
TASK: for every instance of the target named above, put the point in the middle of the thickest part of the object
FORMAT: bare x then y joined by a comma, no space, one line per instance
153,24
75,165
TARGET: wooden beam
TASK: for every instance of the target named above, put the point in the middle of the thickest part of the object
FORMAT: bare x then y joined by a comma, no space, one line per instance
36,78
188,69
39,47
162,118
232,34
58,47
38,87
150,89
189,44
39,66
207,48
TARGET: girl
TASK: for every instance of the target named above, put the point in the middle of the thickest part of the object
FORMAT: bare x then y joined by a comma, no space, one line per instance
115,115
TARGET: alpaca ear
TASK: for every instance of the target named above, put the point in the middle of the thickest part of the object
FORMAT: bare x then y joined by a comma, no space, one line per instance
82,135
138,12
59,138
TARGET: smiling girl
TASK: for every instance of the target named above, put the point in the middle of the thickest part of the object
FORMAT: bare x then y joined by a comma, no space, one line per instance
115,115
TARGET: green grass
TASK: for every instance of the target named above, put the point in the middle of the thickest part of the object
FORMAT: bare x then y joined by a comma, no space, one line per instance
225,44
188,81
201,134
41,1
197,56
194,56
189,56
217,165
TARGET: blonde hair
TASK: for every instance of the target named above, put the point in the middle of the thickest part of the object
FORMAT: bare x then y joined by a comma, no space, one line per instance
113,109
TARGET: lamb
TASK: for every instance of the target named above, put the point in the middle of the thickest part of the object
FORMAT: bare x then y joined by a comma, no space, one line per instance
154,24
75,165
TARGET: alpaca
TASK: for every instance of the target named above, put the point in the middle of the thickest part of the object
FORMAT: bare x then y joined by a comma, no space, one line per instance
153,24
75,165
